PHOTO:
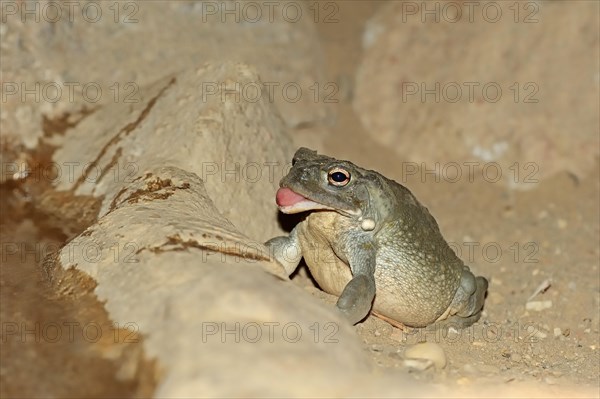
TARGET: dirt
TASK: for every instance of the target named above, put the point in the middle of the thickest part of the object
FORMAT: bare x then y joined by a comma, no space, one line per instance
51,319
546,235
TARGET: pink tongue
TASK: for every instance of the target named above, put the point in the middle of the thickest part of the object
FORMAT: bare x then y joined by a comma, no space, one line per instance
286,197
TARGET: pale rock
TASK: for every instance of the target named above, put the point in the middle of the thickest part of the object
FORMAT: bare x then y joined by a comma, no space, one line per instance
207,300
240,149
103,62
428,351
440,92
557,332
418,364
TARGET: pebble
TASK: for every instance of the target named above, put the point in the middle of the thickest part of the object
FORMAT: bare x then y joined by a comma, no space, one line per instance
538,306
428,351
376,348
418,364
550,381
515,357
557,332
539,334
562,223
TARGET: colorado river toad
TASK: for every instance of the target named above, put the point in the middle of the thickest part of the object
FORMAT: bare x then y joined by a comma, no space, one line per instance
369,241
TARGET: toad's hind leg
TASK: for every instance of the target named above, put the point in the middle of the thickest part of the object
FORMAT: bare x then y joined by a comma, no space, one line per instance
467,305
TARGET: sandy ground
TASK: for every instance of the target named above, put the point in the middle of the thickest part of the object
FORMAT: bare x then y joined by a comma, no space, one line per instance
547,235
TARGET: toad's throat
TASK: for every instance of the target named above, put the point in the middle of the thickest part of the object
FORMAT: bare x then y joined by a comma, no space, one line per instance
292,202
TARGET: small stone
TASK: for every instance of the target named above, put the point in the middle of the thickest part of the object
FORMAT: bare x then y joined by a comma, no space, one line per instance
452,331
429,351
567,332
572,285
539,334
376,348
515,357
418,364
538,306
562,223
377,333
550,381
557,332
398,335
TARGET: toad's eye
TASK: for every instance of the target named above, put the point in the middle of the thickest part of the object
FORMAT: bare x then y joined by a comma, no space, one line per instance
338,177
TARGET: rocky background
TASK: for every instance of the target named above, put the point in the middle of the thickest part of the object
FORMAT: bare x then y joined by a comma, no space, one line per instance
142,144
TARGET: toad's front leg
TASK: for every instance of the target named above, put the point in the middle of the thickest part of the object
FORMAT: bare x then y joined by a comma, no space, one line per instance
286,250
356,299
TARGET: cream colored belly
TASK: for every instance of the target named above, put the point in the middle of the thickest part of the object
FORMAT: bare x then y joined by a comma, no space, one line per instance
315,235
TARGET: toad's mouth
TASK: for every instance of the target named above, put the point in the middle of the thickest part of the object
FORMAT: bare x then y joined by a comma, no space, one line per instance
292,202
